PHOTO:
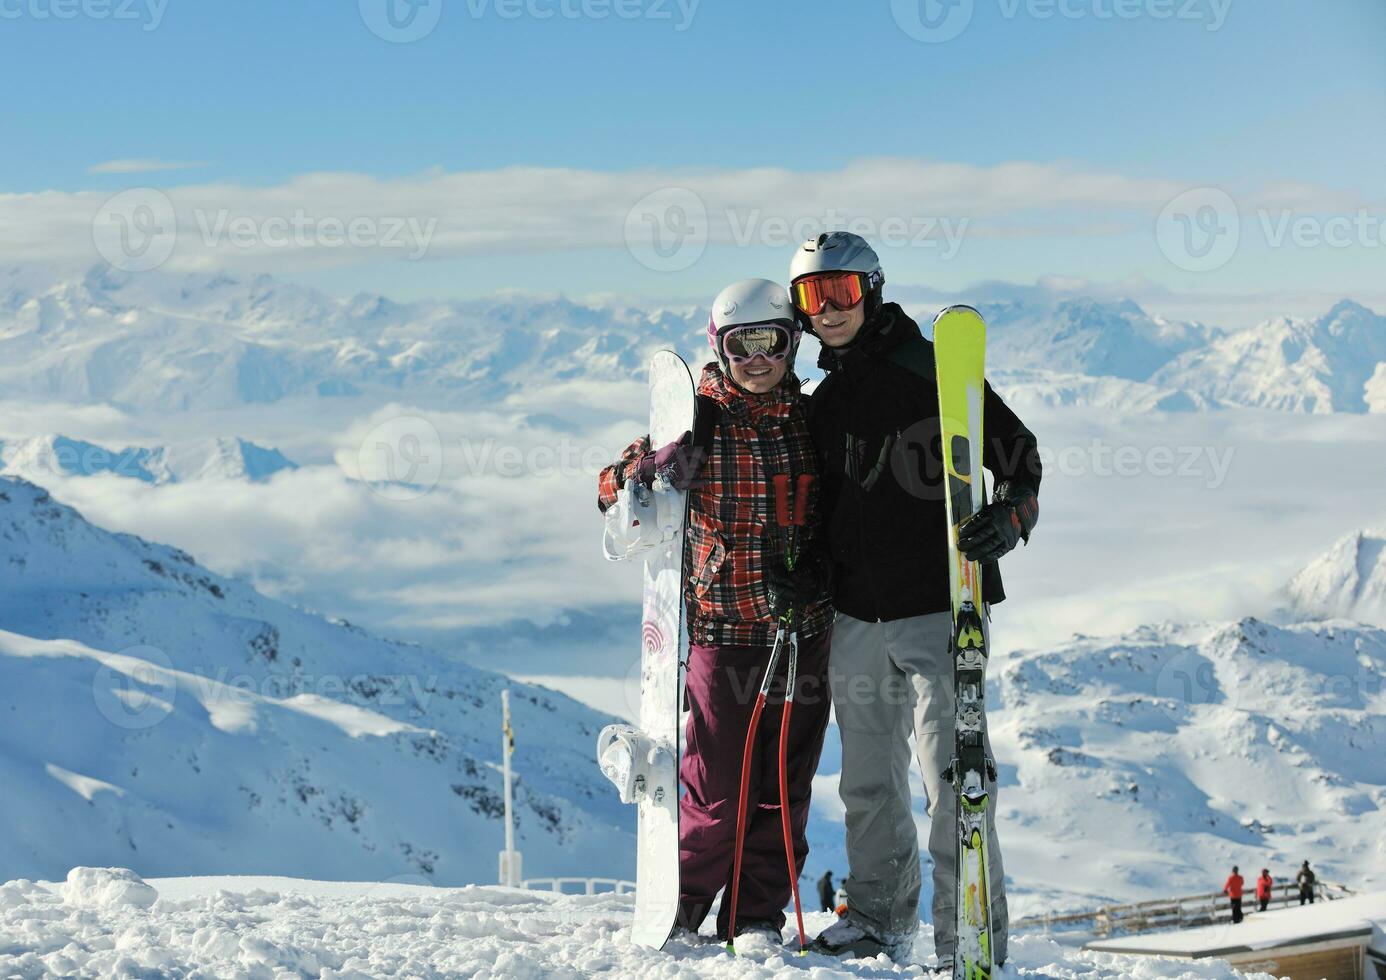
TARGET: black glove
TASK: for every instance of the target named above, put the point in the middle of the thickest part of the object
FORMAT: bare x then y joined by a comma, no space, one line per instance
798,589
1000,525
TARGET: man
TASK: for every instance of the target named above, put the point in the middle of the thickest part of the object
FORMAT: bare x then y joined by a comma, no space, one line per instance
1233,891
874,422
1305,880
1264,887
827,892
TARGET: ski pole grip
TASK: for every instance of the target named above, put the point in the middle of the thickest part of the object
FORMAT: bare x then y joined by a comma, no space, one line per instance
802,491
783,516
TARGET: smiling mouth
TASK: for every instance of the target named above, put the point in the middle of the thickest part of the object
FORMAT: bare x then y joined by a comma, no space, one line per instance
757,372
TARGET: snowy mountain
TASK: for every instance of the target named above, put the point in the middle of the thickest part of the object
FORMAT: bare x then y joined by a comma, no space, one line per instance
1149,763
194,726
177,343
197,342
1086,337
37,457
1335,363
1348,581
166,718
1027,390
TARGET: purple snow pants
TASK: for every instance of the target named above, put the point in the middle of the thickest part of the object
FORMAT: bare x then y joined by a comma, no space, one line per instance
722,683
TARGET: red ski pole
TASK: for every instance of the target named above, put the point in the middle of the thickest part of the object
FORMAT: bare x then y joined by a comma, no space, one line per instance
784,789
746,783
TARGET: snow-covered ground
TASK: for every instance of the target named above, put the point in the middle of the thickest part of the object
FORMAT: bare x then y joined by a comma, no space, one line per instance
108,922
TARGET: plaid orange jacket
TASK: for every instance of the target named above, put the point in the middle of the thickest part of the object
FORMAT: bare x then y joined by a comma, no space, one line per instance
732,534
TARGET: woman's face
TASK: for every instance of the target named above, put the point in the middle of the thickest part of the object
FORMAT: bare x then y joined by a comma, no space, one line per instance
760,374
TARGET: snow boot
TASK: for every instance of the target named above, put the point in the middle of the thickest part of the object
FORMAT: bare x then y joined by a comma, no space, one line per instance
851,939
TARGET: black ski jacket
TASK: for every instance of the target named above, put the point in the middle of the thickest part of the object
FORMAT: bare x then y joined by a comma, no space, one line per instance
874,422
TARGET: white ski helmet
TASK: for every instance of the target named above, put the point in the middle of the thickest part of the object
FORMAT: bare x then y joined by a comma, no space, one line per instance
751,301
840,251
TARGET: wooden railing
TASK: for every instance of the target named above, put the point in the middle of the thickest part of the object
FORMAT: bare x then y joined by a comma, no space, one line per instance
1174,913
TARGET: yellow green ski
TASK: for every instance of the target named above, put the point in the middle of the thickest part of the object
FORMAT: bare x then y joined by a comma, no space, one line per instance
960,340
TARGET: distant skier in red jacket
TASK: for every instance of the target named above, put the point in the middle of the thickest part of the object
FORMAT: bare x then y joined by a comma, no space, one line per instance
1233,890
1264,884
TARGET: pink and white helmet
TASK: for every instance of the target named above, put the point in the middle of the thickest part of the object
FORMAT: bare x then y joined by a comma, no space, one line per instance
751,301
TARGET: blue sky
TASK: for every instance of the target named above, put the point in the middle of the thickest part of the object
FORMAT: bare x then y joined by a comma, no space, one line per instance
1235,94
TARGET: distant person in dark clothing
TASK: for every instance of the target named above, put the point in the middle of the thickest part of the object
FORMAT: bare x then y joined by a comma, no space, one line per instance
827,892
1305,878
1233,890
1263,889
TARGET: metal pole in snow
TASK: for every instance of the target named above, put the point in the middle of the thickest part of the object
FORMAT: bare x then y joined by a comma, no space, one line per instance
509,859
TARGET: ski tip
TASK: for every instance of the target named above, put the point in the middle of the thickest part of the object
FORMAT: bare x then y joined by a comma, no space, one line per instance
957,308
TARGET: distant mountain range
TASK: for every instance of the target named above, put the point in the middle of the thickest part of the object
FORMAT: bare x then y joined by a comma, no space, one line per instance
160,716
175,343
39,457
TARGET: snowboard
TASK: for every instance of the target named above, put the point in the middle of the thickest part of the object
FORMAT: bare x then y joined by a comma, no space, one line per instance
960,336
643,761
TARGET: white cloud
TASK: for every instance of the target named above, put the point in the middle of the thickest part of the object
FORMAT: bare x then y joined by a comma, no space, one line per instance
545,209
142,166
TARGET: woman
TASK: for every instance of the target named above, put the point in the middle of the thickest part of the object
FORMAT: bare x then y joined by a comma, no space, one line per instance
737,584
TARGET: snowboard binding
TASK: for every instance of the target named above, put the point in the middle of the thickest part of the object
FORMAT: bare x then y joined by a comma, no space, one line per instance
635,763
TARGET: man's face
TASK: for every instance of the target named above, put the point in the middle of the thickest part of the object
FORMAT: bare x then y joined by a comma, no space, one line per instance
837,328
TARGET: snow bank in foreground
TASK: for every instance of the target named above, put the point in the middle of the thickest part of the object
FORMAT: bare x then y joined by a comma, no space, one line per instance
279,927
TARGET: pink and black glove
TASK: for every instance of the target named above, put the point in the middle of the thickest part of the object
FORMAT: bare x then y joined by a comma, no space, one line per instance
676,465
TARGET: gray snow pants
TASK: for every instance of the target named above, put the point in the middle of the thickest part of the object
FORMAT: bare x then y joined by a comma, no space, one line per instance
889,679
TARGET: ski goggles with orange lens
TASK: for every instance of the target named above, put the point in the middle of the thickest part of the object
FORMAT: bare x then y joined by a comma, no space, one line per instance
843,289
742,344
